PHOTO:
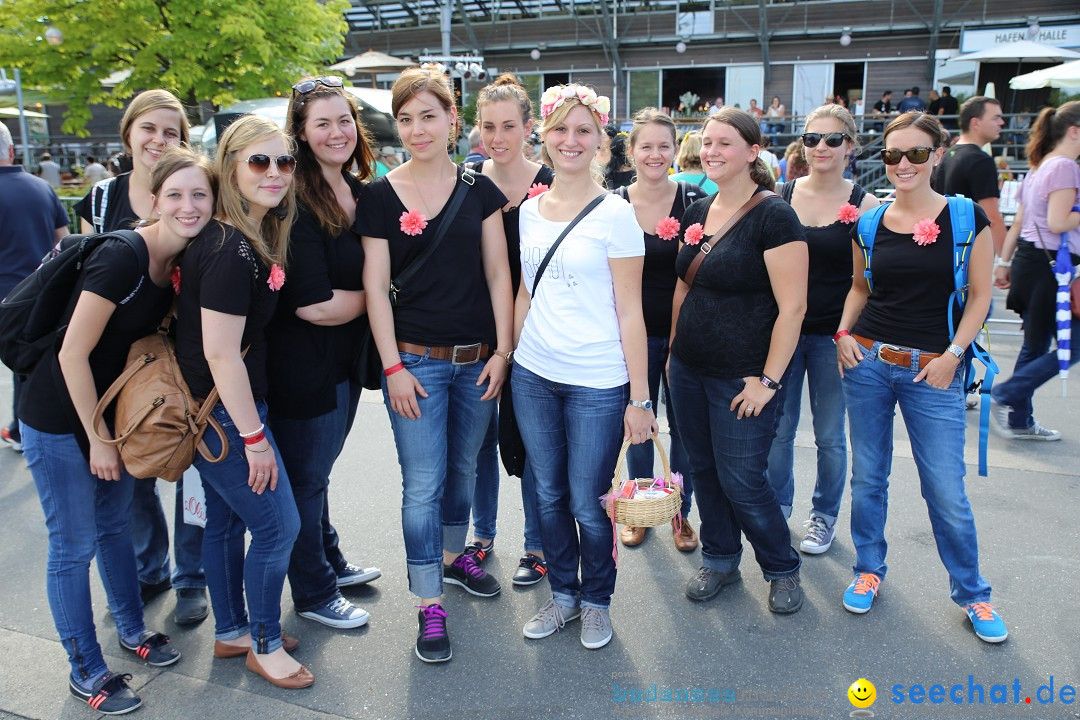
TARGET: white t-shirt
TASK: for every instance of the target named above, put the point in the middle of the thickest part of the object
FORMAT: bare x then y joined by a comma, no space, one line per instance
571,334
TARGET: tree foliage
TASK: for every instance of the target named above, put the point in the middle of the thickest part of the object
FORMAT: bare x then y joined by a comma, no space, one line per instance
216,50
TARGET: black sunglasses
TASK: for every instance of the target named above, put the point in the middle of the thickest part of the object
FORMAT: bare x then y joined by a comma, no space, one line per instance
260,163
833,140
305,86
916,155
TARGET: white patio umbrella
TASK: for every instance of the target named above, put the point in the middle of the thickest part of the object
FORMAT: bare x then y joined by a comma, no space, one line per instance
373,62
1065,77
1021,50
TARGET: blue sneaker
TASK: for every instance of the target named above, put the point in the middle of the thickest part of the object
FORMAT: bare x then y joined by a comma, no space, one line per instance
860,594
987,623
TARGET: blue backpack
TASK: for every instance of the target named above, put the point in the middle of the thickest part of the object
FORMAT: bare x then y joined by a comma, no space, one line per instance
962,218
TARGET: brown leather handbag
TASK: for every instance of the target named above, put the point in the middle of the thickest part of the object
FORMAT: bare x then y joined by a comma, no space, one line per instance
159,425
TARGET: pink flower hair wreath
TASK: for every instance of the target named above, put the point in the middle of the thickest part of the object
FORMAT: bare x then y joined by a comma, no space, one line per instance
555,97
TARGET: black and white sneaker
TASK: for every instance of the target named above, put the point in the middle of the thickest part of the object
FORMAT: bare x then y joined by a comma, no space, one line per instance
432,640
531,570
109,696
467,573
478,551
356,575
154,649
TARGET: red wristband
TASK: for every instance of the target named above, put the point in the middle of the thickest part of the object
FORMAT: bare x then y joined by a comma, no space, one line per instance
255,439
393,369
839,334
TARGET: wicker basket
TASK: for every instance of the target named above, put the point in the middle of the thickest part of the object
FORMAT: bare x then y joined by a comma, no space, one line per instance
644,512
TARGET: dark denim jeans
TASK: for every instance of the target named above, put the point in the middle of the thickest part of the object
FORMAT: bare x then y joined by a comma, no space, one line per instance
437,453
572,437
728,459
639,458
1035,366
231,509
815,361
485,505
935,421
309,449
85,516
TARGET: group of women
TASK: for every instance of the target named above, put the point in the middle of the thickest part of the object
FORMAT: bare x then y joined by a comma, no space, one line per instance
509,276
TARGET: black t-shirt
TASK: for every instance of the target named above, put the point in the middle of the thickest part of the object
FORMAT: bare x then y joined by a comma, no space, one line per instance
544,176
120,274
658,275
966,170
725,325
619,178
318,265
830,269
948,105
447,301
222,272
912,285
883,106
118,212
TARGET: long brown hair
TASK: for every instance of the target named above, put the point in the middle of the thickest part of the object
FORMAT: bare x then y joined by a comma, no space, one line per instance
1049,128
312,190
148,101
431,78
750,131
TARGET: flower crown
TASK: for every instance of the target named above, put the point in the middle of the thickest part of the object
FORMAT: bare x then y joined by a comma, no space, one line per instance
554,97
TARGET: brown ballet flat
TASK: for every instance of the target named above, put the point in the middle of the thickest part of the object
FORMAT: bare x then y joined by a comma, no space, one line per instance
224,650
302,678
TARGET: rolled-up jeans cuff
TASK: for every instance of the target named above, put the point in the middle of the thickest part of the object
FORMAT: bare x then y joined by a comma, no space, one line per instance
232,634
453,537
566,600
830,520
722,563
426,581
770,575
601,604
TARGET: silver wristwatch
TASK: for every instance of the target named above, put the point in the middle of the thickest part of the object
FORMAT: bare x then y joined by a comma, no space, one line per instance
956,350
643,404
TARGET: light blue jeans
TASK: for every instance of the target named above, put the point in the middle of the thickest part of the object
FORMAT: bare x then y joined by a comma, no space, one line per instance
935,423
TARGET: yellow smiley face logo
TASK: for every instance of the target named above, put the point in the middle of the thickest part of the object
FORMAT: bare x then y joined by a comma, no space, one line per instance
862,693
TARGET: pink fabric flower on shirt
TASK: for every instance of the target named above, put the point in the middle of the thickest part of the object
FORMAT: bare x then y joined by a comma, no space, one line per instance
848,213
926,231
694,233
175,278
667,228
413,222
537,189
277,278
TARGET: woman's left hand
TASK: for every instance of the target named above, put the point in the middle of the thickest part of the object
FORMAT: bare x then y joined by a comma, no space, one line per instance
495,375
940,371
753,397
639,425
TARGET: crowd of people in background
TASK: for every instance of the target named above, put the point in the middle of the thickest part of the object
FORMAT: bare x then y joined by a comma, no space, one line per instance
582,286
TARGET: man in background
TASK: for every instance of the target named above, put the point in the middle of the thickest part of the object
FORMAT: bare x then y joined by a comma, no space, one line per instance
947,106
50,171
912,102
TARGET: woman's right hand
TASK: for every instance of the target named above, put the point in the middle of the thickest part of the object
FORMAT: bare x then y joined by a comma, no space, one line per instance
262,466
403,387
848,353
105,461
1002,277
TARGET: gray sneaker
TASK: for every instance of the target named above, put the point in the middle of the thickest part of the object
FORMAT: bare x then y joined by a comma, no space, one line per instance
785,594
819,536
338,613
1035,432
707,583
549,619
595,627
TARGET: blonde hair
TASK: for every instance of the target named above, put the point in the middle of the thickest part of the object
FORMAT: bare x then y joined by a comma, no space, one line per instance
505,88
174,159
750,131
558,115
649,116
840,113
148,101
270,239
689,151
426,78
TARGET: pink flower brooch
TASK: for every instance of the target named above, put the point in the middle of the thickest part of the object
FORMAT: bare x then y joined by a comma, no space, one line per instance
413,222
848,213
277,277
694,234
537,189
175,278
667,228
926,231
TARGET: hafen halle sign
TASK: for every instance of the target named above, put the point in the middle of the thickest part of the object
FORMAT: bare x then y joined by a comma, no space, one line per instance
1066,36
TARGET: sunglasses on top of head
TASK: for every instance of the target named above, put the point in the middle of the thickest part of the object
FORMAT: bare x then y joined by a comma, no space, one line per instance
833,140
260,163
305,86
916,155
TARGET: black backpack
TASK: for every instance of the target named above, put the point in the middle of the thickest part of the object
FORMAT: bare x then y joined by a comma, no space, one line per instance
32,316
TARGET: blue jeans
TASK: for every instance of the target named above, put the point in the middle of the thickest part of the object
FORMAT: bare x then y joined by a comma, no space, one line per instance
232,508
639,458
814,359
485,504
1035,366
572,436
935,423
150,535
309,448
84,516
437,453
728,459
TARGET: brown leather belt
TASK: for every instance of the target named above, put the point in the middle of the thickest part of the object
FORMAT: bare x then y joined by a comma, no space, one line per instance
456,354
896,355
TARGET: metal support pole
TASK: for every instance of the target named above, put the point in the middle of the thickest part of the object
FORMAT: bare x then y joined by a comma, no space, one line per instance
763,37
22,121
447,10
935,29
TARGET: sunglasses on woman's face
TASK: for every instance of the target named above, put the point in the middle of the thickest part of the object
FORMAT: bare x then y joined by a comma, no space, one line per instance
260,163
916,155
833,140
305,86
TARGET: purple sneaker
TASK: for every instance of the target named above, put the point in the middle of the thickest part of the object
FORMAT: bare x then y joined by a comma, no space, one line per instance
432,641
467,573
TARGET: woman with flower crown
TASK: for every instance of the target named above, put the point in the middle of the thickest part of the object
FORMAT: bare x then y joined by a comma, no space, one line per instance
444,339
895,347
581,378
827,206
658,203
